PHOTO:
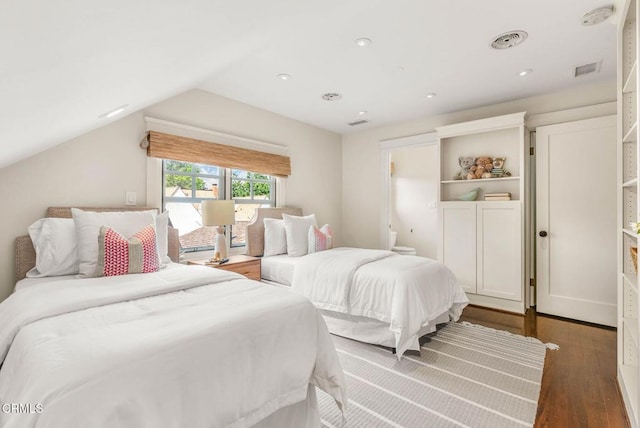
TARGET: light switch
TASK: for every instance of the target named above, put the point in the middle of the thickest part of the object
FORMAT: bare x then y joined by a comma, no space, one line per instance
131,198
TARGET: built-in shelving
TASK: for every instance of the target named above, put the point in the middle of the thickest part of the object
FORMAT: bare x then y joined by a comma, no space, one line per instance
492,271
628,209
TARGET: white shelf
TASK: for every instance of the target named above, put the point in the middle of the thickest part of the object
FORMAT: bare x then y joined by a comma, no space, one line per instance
631,233
631,324
631,183
632,135
632,280
478,180
630,84
629,375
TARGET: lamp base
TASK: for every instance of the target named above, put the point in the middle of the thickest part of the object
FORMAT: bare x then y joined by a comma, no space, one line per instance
221,244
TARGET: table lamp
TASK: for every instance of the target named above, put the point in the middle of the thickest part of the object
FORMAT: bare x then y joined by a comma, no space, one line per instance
218,213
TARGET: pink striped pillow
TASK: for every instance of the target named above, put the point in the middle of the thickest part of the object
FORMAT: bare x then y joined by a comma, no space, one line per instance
320,239
120,256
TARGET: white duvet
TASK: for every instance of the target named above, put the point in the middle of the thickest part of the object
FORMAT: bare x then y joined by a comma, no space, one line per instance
185,347
408,292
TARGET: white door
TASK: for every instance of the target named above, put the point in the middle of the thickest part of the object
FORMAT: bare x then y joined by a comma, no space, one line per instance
457,249
576,220
500,252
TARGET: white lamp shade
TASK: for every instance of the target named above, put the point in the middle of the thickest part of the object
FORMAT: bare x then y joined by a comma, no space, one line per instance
218,213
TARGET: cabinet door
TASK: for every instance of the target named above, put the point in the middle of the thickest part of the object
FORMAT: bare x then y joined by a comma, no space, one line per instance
457,249
499,250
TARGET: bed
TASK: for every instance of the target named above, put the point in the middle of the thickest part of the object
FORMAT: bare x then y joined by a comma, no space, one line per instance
184,346
374,296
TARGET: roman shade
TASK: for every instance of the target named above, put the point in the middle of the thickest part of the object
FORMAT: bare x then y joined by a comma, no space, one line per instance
174,147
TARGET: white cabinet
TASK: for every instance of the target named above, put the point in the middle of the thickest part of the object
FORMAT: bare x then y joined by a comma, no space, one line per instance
483,241
628,173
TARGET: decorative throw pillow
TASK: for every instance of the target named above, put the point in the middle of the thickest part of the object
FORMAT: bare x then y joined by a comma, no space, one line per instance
297,230
54,240
320,239
88,225
120,256
275,238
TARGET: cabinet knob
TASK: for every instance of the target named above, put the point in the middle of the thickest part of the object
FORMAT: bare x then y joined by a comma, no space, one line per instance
542,233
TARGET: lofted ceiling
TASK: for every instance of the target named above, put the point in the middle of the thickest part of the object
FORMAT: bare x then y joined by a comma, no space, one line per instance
66,64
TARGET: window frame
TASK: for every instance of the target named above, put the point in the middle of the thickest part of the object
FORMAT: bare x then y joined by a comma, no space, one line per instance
225,188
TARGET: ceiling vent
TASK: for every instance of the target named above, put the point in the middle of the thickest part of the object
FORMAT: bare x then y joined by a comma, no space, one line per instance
509,39
331,96
596,16
358,122
582,70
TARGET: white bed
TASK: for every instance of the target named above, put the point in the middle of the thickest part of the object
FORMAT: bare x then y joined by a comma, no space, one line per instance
185,346
370,295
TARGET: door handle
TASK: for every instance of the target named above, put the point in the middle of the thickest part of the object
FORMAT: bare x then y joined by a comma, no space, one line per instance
543,233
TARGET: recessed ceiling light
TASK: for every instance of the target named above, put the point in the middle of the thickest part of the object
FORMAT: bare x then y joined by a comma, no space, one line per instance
114,112
284,76
363,112
362,42
331,96
431,94
525,72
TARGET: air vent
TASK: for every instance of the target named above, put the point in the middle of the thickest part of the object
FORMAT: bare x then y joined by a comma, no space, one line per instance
596,16
585,69
358,122
509,39
331,96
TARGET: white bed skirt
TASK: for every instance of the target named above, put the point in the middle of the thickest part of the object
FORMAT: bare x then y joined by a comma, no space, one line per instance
304,414
369,330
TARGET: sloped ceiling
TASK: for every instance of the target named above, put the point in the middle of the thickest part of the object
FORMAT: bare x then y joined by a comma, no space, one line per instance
66,64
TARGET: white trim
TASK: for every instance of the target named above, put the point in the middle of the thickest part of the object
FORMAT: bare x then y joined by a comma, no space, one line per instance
411,140
386,147
154,183
481,125
159,125
571,115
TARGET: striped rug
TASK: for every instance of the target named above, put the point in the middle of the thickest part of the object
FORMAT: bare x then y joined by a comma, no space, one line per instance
465,376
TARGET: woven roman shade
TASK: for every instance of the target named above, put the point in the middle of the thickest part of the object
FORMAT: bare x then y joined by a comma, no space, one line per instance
174,147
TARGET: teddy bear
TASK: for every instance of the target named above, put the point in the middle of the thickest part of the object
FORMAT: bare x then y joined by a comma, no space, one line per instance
498,168
481,169
465,163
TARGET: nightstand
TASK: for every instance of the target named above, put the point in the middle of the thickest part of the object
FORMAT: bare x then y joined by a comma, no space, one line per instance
244,265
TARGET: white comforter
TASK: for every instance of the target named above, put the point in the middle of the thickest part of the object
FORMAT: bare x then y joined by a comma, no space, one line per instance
408,292
185,347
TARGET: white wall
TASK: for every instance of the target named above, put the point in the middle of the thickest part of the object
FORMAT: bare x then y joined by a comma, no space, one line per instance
96,169
361,153
414,186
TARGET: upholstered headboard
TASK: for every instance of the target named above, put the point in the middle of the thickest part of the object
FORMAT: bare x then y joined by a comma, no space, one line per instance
255,229
26,254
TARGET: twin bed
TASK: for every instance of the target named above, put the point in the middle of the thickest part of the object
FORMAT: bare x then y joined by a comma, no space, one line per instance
186,346
201,347
374,296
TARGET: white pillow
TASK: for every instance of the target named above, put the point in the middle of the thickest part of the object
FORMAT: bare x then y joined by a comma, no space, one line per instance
297,230
88,225
275,238
320,239
162,237
54,240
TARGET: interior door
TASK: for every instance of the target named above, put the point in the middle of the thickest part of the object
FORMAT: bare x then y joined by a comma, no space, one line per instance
576,220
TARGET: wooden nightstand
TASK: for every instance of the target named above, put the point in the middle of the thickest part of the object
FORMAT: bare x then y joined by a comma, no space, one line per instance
244,265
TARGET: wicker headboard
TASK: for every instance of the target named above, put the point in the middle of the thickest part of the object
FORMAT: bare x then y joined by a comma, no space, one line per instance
255,229
26,254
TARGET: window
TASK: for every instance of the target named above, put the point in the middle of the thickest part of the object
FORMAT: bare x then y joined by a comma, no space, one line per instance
186,184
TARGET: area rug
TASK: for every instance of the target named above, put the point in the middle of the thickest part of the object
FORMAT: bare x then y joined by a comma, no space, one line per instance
465,376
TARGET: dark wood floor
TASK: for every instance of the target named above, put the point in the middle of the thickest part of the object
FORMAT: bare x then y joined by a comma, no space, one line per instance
579,387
